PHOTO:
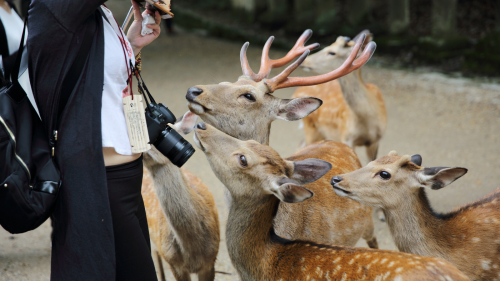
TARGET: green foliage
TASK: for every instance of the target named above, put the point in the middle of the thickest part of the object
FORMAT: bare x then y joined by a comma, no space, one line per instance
327,22
484,58
192,21
211,4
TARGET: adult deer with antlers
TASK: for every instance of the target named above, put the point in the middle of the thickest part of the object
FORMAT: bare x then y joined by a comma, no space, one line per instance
468,237
353,112
182,217
258,179
245,110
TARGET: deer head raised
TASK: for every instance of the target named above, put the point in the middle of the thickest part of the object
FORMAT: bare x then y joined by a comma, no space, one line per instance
333,56
389,181
245,109
243,164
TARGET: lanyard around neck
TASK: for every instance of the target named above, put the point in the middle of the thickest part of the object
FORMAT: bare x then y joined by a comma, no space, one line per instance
121,38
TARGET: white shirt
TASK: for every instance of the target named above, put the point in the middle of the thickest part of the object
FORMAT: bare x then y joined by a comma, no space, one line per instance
13,26
114,126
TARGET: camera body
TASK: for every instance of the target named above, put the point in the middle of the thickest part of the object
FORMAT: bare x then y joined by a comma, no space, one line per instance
164,138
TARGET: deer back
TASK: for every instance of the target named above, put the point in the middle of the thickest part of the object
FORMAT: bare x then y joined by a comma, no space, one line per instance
472,236
310,261
310,215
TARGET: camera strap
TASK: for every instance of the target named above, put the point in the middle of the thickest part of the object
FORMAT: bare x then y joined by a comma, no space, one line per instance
143,89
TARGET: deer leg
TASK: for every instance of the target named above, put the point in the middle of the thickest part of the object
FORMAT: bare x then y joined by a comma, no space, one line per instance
372,151
159,263
207,274
369,236
180,274
380,214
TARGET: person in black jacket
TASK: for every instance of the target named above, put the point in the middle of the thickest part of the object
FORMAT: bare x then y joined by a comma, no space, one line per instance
11,29
100,228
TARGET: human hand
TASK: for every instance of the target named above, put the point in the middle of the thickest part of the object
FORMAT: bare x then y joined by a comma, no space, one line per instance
137,41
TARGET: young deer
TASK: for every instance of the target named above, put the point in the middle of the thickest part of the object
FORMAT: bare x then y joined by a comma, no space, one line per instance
353,112
182,217
245,110
257,179
468,237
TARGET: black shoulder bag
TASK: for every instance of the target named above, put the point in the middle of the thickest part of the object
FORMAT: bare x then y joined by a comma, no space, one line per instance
29,178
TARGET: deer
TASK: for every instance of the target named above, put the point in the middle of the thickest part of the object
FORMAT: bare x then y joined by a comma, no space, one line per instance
257,179
182,217
353,111
468,237
246,108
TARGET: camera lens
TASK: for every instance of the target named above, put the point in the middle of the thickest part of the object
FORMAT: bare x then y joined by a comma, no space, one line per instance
174,147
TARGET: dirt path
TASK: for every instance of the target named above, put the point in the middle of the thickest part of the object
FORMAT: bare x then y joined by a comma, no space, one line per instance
450,122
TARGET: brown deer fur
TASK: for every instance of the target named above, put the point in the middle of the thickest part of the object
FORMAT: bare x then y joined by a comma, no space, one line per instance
353,112
256,185
468,237
245,109
182,217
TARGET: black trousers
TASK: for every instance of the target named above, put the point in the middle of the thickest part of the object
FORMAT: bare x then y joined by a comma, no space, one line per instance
130,226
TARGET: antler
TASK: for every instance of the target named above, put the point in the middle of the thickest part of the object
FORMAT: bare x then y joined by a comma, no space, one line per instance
266,64
283,81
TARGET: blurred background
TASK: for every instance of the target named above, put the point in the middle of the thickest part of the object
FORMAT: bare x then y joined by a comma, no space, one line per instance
451,35
436,64
458,37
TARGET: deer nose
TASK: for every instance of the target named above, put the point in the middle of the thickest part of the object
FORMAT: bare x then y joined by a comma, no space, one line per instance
336,179
192,93
201,126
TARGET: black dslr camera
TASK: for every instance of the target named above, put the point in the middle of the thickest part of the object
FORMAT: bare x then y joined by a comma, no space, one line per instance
164,138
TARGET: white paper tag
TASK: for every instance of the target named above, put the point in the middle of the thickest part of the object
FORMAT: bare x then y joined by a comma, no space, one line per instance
136,123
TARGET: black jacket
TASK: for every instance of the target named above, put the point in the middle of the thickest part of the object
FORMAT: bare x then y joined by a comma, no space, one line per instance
83,245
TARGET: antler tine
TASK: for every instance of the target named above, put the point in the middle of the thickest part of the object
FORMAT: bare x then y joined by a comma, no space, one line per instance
298,49
275,81
365,56
266,64
365,32
245,66
347,67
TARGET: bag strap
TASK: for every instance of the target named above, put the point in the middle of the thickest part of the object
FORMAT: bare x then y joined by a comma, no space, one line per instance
4,46
103,15
15,70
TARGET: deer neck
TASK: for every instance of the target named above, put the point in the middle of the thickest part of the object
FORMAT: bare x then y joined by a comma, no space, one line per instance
415,228
259,132
248,234
355,92
182,206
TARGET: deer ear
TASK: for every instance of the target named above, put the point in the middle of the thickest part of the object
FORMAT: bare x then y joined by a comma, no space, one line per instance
439,177
416,159
292,193
295,109
186,123
309,170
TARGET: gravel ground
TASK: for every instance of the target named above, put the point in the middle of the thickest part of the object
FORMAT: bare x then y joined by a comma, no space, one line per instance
449,121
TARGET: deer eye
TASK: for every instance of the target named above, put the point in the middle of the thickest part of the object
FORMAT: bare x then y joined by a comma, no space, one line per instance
385,175
243,161
249,97
331,53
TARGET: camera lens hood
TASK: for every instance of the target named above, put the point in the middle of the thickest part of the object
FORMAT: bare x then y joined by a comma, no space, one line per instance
174,147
